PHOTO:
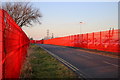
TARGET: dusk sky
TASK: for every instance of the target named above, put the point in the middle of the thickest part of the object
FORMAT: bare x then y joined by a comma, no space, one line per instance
63,18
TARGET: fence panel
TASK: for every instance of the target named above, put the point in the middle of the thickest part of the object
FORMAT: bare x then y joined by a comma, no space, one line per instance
97,40
103,40
91,41
14,43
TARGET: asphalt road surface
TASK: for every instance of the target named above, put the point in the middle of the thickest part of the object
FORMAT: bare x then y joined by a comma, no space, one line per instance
86,64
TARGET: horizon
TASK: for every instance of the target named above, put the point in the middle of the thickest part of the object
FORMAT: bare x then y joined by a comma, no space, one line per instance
63,18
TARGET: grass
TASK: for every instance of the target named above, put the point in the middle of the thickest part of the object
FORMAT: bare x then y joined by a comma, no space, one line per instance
40,64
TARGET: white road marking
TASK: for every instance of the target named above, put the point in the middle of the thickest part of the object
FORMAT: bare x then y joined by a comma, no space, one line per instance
62,60
67,64
85,56
111,64
99,54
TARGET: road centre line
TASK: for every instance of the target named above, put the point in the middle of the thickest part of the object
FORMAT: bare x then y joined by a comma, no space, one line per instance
85,56
96,53
111,64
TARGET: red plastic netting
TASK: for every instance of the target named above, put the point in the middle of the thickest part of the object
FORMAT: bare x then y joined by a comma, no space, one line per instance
104,40
13,46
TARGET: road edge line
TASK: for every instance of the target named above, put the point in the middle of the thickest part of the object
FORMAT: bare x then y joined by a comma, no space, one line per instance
74,69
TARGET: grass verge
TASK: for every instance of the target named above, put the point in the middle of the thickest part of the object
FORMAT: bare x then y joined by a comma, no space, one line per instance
40,64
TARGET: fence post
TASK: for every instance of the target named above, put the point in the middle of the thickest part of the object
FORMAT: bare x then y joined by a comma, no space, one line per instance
87,40
69,41
82,41
3,45
93,38
100,39
109,37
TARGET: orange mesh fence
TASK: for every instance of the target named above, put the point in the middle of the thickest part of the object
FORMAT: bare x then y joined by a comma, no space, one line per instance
104,40
13,46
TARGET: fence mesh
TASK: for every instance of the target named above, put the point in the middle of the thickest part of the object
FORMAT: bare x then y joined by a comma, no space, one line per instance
13,45
103,40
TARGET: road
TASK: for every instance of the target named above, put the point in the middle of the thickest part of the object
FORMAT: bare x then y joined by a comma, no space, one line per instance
86,64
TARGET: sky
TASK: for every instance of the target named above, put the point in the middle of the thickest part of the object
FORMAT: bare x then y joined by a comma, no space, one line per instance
63,18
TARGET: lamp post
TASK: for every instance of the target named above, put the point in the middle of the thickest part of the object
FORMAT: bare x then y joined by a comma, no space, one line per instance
47,33
81,27
52,35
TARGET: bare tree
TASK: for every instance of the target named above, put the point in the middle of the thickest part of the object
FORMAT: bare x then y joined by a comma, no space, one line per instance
23,13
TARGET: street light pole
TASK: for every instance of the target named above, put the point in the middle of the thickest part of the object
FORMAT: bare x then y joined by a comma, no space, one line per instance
81,27
47,33
52,36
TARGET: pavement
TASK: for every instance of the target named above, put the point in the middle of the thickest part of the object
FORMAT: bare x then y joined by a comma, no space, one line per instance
85,64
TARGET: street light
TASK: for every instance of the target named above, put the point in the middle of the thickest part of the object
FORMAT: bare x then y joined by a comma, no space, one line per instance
81,27
52,35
